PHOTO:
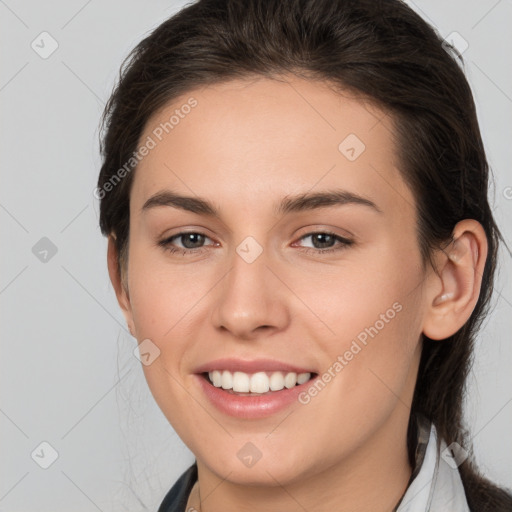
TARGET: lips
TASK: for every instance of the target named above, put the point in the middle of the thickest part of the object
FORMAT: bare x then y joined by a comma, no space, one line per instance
249,406
252,366
252,405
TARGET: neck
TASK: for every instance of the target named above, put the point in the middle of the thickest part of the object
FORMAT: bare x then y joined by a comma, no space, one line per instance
374,477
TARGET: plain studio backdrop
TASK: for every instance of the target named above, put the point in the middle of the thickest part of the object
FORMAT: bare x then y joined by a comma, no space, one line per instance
74,398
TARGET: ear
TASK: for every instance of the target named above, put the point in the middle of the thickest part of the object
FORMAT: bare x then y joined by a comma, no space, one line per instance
122,294
452,292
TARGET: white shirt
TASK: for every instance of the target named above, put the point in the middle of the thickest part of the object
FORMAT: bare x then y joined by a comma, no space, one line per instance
438,486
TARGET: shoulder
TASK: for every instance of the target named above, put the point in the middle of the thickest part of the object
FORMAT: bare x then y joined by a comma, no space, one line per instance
176,499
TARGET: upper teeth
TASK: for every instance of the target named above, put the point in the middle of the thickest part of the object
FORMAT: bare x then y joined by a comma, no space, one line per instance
259,382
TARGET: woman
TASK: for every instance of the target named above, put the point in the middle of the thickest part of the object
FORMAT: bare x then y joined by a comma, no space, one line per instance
295,195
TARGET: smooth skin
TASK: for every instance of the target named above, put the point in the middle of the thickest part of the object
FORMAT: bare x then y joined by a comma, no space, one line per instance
247,145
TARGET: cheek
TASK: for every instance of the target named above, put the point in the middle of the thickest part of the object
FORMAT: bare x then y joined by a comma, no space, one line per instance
353,296
373,314
164,298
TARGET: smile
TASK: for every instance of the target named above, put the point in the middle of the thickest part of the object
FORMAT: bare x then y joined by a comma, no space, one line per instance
255,395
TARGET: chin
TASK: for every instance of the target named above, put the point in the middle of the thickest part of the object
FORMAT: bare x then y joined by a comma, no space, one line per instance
242,465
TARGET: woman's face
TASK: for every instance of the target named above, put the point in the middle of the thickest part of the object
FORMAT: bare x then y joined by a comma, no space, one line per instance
256,282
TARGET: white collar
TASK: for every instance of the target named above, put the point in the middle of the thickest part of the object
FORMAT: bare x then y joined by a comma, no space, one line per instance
438,486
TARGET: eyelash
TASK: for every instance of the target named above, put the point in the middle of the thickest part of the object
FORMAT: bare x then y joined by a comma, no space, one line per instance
344,243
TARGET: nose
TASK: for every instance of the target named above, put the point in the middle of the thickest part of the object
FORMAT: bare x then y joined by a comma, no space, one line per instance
250,300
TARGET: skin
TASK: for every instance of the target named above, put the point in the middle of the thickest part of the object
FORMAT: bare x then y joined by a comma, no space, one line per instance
247,145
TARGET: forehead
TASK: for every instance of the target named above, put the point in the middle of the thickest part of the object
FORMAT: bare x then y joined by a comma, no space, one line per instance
261,138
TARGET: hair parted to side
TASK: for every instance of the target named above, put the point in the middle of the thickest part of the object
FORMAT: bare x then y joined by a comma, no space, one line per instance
382,51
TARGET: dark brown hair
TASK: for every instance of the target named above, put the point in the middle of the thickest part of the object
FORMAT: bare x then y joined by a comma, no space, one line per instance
380,50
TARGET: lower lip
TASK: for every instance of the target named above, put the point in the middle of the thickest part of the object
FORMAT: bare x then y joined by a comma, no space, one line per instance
249,407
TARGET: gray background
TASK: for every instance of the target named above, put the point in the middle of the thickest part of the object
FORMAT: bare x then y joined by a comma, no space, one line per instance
68,374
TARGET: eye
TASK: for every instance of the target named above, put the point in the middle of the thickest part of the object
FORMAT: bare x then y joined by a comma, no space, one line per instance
325,242
192,242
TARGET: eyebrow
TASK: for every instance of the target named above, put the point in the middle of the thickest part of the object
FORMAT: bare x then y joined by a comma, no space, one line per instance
289,204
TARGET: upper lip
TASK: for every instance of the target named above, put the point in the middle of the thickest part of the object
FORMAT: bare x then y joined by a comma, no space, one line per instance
252,366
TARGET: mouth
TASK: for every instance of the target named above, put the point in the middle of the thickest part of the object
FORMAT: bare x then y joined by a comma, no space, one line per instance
257,383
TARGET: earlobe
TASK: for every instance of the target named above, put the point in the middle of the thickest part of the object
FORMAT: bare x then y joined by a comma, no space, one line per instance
455,288
121,292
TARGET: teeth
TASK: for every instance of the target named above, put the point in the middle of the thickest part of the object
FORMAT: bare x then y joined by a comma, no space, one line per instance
216,378
260,382
303,377
226,380
241,382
